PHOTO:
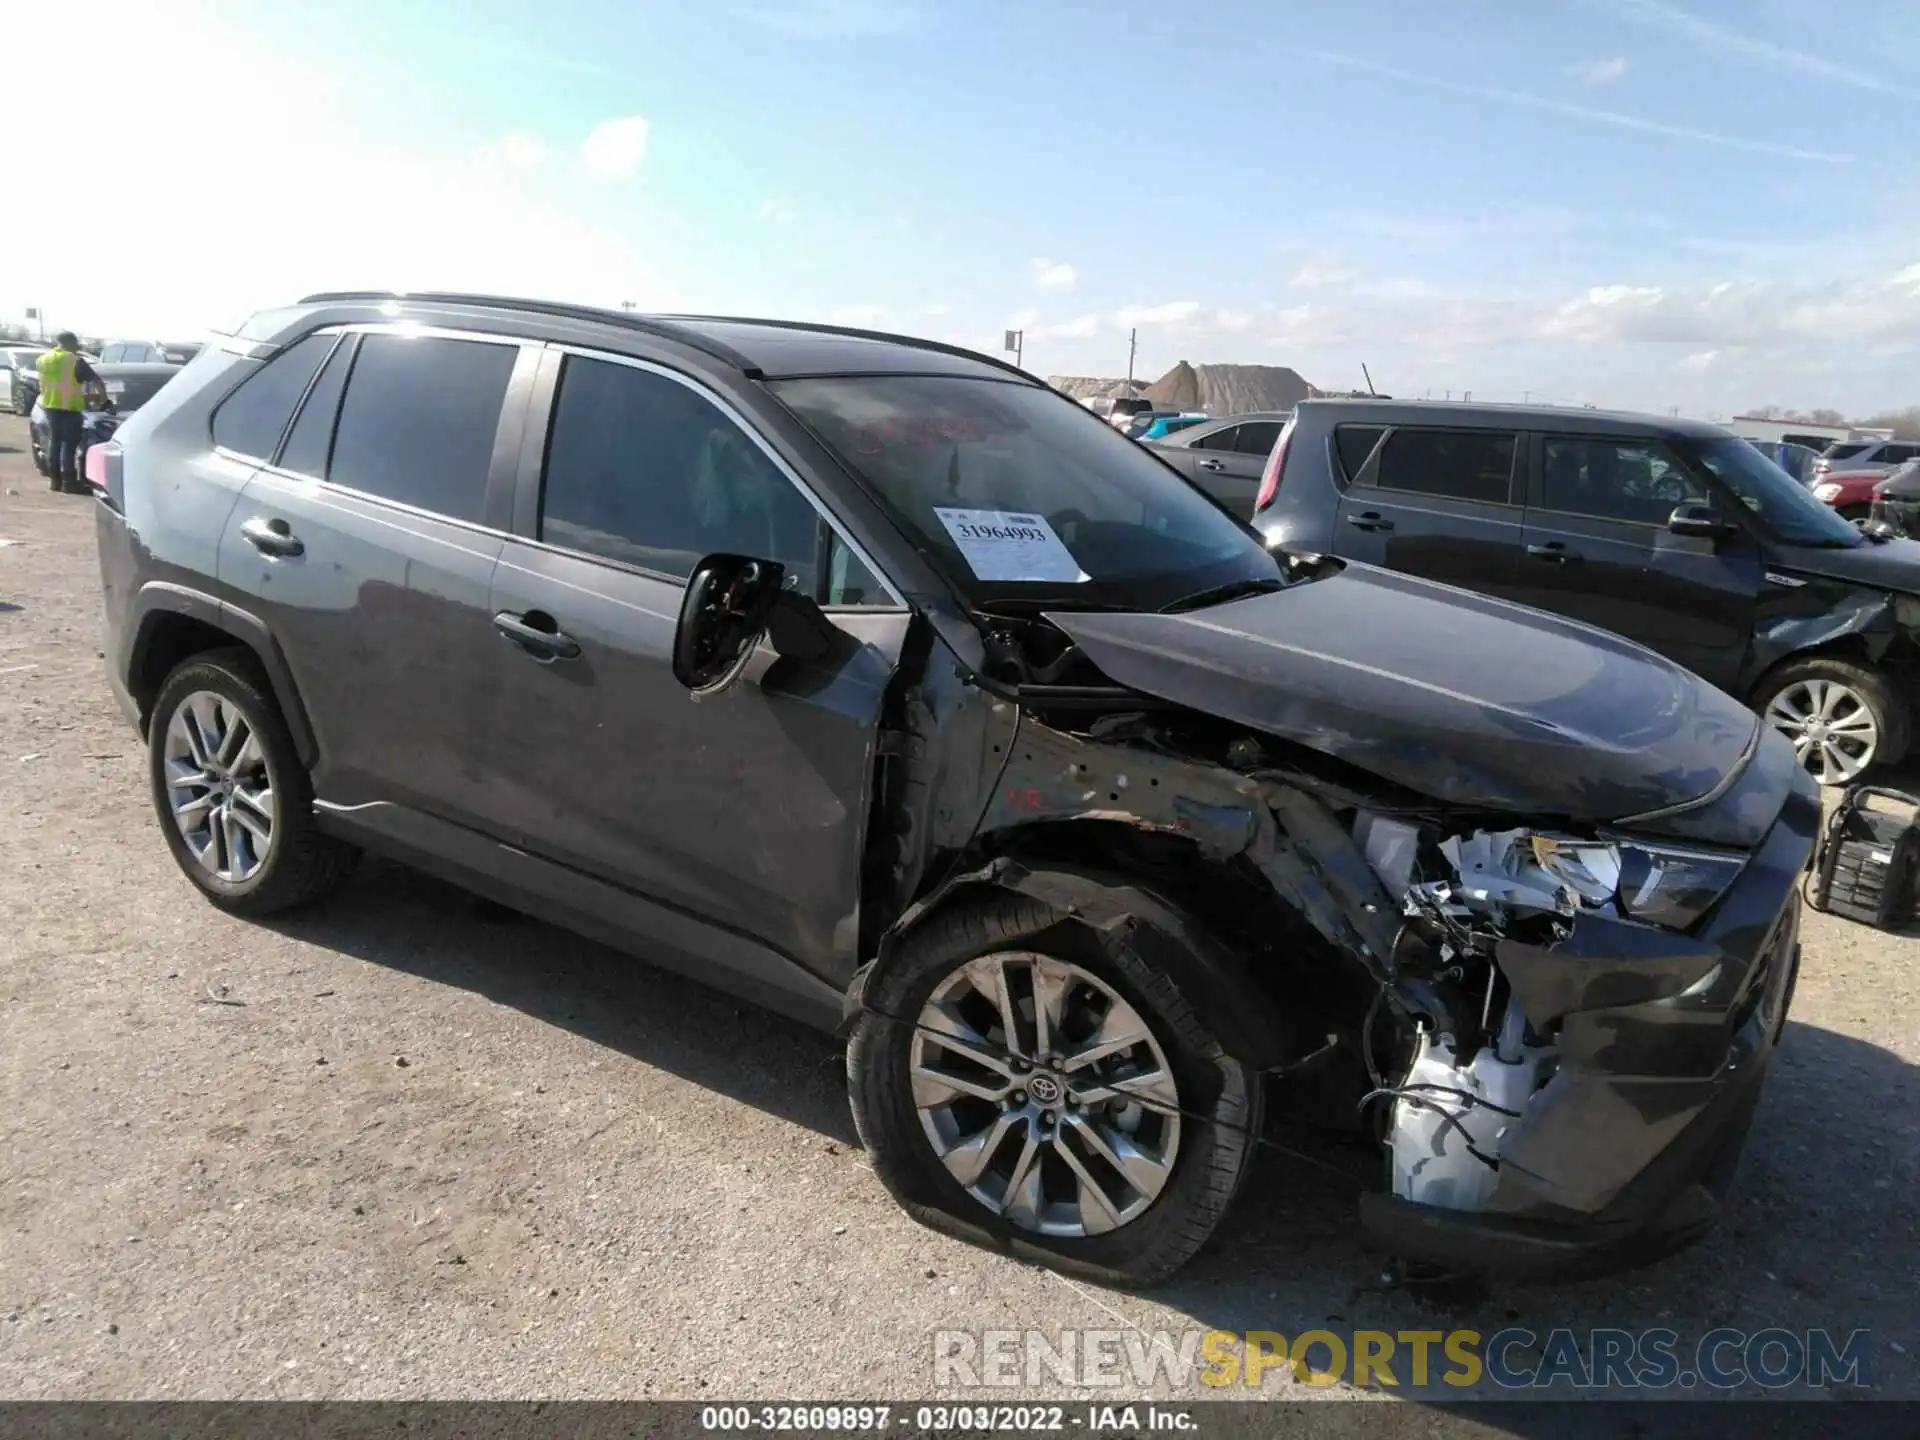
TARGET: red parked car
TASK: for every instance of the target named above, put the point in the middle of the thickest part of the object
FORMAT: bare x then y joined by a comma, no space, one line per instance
1849,491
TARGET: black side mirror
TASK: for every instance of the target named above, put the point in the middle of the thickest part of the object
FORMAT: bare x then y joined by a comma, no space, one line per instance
1699,520
722,617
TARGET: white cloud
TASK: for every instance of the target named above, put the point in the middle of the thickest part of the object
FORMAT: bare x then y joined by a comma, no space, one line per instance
1322,273
1023,319
1588,113
514,152
1051,276
1598,72
773,212
415,222
938,308
1700,360
1234,321
858,316
1169,312
614,149
1081,327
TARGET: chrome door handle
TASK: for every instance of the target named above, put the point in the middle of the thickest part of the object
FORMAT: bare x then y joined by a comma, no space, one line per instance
272,537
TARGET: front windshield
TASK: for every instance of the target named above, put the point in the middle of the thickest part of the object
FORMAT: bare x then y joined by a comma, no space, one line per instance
1020,494
1782,505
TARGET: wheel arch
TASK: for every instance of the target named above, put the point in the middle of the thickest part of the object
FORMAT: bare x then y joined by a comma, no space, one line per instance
173,623
1095,877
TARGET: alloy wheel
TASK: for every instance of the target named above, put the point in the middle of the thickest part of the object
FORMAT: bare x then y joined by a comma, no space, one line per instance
1045,1094
1831,726
219,789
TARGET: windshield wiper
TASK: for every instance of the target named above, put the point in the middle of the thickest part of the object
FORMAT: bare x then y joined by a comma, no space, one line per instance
1220,594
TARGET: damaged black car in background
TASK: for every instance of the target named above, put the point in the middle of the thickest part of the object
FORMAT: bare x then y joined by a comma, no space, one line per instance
1101,828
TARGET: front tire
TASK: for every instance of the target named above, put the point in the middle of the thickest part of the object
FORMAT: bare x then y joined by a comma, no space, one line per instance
1107,1136
1841,718
233,799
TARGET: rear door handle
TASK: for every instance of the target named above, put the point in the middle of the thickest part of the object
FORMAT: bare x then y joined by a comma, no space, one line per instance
1554,551
543,640
1212,464
272,537
1369,520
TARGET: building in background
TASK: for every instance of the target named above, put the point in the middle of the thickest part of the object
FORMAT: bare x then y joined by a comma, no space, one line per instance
1800,432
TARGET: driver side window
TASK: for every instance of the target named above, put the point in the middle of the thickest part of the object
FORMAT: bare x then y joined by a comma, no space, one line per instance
1639,481
647,471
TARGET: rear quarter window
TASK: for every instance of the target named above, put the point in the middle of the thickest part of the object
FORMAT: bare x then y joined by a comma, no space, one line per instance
1353,444
1454,464
252,419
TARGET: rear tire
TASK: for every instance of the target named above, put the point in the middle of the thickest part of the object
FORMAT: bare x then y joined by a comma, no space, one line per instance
1218,1099
1846,691
232,797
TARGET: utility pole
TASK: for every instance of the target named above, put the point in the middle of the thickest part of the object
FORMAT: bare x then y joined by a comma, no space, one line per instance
1526,397
627,305
1133,342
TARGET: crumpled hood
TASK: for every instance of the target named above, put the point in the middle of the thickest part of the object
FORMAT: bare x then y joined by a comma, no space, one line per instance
1468,699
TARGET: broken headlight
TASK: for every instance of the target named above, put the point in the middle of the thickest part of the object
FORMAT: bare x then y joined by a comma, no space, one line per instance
1656,884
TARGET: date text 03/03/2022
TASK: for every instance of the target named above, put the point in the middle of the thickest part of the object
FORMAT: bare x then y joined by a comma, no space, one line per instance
934,1419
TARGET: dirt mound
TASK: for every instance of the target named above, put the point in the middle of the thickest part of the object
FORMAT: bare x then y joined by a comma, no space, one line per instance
1229,389
1094,387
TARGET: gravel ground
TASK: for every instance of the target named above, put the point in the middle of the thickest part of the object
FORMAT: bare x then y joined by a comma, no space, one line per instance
400,1147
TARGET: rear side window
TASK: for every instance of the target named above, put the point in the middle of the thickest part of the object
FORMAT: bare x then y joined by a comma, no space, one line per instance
1843,450
1227,439
1257,437
306,449
418,422
1897,454
251,420
1456,464
646,470
1353,444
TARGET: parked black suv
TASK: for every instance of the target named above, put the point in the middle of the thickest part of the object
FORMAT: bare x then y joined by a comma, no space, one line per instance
869,678
1670,532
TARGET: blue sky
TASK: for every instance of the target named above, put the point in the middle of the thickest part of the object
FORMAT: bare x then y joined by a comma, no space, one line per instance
1636,202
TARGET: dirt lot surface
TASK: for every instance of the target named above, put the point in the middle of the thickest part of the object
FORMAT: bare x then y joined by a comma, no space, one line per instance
397,1147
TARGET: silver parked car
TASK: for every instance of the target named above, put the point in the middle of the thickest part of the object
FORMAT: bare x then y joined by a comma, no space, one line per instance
1225,457
1854,456
19,380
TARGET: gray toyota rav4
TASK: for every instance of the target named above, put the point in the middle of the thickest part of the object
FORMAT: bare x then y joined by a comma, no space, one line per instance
872,680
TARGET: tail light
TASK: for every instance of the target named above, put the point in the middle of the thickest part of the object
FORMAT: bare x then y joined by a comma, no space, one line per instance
1270,477
102,468
1821,467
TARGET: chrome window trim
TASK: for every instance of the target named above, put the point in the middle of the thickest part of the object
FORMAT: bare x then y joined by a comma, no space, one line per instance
739,422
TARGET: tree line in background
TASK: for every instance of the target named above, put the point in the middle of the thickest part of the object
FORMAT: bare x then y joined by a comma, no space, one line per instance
18,334
1905,424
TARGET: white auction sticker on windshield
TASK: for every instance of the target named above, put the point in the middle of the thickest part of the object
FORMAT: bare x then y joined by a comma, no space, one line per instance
1003,545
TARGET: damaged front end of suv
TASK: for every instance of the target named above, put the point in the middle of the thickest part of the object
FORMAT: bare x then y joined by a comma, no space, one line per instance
1167,826
1541,944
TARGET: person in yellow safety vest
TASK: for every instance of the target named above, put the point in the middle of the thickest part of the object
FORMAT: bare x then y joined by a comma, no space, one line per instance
66,380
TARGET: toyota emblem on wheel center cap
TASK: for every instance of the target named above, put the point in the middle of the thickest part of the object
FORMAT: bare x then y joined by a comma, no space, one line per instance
1045,1089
